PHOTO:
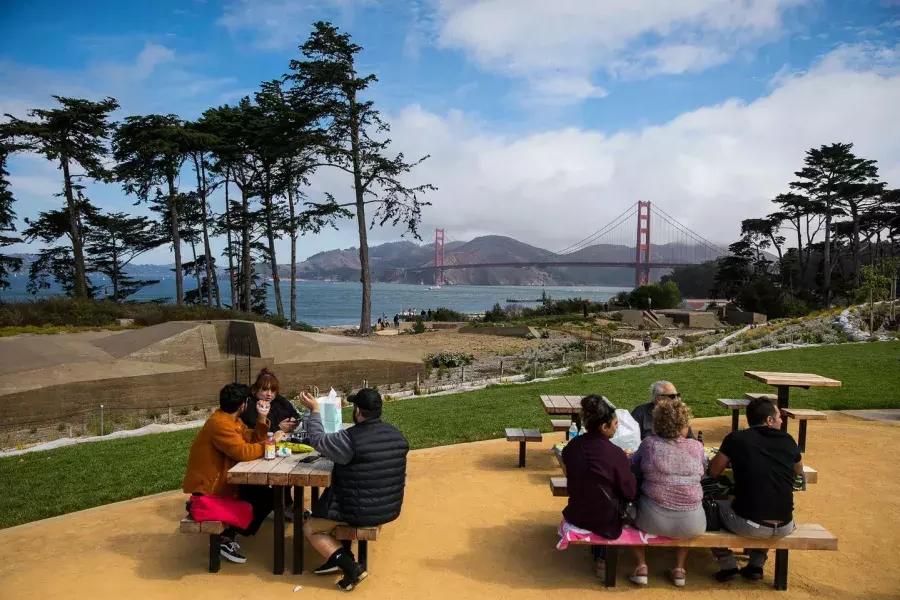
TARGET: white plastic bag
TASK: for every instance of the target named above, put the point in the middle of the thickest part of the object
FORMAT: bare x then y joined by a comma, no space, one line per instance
628,435
330,407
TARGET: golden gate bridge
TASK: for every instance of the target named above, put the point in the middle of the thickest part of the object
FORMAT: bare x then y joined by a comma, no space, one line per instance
628,236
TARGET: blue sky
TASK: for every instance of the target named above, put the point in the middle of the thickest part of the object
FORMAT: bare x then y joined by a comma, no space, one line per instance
542,119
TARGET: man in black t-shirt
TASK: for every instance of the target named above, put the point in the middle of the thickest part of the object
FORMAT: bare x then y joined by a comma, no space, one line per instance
765,461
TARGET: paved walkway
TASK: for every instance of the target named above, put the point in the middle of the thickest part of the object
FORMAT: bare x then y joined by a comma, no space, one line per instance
473,526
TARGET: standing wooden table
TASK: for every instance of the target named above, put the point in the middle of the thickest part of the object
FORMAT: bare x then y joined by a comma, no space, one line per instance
563,405
785,381
283,473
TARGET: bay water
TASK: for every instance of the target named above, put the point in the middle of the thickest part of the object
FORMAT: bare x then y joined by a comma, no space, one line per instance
326,303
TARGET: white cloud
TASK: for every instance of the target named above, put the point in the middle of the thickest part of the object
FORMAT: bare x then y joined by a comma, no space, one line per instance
709,168
578,38
281,24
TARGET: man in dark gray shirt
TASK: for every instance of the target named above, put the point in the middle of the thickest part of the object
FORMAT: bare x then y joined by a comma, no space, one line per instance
367,483
643,413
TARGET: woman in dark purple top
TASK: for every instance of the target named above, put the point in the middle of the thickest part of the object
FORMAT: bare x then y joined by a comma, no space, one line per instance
594,465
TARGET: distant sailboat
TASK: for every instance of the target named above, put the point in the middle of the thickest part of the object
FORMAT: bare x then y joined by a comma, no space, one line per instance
434,287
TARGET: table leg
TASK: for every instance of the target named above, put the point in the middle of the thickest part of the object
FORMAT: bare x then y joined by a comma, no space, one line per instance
577,418
521,454
612,562
735,419
802,437
781,570
783,402
298,529
313,497
278,535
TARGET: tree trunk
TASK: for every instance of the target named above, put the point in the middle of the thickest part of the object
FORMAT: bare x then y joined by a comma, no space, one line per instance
115,271
365,318
81,290
293,234
176,240
197,273
800,263
273,261
854,242
246,265
232,279
201,190
826,256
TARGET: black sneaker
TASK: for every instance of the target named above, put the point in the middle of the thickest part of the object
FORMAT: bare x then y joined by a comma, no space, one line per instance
350,582
231,551
752,573
327,567
726,575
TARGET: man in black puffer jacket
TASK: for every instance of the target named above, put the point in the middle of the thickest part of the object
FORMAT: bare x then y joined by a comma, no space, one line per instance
366,485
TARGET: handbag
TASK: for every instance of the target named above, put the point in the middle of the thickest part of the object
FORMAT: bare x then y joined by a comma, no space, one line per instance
714,488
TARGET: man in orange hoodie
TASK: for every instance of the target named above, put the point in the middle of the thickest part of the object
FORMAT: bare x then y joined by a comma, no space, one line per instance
222,442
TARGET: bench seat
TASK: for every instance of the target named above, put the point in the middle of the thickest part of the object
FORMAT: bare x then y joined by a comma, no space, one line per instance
807,536
735,405
803,415
761,396
561,425
522,436
214,530
362,536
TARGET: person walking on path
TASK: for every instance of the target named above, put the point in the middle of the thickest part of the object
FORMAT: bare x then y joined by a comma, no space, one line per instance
765,461
367,482
647,342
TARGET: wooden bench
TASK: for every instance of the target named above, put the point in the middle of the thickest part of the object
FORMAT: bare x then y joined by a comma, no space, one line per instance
362,536
803,415
522,436
214,530
762,396
561,425
806,537
735,406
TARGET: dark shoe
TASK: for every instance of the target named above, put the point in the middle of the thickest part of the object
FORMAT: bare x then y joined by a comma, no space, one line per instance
752,573
724,575
231,551
350,581
329,566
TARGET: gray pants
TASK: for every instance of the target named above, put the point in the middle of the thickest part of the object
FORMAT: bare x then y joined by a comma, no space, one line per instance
746,528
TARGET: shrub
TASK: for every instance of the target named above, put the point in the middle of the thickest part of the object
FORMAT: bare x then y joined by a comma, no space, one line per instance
447,314
449,359
418,326
495,315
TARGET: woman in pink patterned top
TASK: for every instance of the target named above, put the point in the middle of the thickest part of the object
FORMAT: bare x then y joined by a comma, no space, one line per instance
671,465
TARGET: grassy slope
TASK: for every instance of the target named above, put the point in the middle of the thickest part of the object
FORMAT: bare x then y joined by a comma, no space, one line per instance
44,484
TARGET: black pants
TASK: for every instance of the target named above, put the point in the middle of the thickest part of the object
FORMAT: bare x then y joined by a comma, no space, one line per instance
262,499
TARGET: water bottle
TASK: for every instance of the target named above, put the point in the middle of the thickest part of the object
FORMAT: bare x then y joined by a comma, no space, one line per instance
573,431
270,446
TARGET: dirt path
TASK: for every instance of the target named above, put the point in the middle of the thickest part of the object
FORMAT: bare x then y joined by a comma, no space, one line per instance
473,526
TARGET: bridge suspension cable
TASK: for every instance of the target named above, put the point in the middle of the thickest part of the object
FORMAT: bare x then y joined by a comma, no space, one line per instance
617,222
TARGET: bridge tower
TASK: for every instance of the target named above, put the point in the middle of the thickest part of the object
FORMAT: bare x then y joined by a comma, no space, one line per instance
438,257
642,248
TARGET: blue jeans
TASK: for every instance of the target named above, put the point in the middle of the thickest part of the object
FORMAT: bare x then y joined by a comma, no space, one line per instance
747,528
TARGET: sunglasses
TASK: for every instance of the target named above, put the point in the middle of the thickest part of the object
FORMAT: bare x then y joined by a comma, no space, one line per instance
670,396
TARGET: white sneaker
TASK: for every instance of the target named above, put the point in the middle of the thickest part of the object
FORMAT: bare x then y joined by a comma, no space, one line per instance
231,551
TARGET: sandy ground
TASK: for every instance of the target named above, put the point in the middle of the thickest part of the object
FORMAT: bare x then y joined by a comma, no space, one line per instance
473,526
452,341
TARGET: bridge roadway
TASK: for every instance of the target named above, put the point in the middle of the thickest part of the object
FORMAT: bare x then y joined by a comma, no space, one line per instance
558,263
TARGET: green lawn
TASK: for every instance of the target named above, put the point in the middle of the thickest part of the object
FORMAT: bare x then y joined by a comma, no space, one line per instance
43,484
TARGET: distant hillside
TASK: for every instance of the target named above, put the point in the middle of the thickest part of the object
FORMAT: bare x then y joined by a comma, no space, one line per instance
391,262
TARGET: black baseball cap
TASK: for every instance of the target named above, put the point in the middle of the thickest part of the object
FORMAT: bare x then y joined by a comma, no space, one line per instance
367,399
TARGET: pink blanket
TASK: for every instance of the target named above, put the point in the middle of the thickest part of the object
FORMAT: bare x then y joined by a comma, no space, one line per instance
568,533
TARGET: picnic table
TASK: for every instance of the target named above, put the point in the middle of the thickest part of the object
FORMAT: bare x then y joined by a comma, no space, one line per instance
785,381
563,405
283,473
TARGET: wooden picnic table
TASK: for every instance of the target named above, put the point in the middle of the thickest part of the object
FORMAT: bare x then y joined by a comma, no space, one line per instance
785,381
563,405
283,473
